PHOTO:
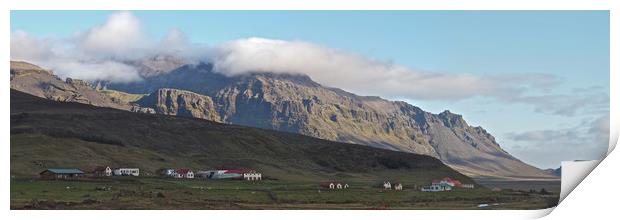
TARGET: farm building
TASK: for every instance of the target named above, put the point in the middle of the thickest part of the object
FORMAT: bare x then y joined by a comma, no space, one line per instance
184,173
168,172
203,173
56,174
335,185
252,175
446,182
453,183
223,173
101,171
126,172
387,185
398,186
467,186
436,188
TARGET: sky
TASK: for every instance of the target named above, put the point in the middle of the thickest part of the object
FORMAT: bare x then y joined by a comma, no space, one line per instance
537,80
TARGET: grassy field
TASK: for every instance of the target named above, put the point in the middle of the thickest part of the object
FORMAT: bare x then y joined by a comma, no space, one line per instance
164,193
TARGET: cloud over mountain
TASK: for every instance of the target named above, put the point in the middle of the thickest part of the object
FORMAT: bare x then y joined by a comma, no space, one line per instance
102,52
343,69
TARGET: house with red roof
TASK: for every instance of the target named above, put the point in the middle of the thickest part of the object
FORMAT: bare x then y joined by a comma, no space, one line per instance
447,184
184,173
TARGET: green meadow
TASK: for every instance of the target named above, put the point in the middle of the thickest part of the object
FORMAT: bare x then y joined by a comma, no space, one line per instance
165,193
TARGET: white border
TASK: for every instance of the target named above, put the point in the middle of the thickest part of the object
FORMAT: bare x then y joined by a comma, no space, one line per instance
322,5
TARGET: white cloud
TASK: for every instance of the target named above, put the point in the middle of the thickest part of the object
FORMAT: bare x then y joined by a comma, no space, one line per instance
93,71
26,47
547,148
337,68
120,36
103,51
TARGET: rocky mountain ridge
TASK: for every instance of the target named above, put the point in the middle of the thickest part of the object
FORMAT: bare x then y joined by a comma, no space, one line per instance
43,83
294,103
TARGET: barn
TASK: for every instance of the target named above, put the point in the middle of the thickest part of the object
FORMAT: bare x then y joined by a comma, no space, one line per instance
126,172
61,174
240,173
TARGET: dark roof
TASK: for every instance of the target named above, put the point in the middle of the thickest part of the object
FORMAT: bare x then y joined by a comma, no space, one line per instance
65,171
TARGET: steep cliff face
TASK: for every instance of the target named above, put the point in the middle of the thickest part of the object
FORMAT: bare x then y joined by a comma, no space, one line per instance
182,103
295,103
39,82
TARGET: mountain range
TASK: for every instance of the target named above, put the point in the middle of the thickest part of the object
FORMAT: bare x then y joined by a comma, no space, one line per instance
291,103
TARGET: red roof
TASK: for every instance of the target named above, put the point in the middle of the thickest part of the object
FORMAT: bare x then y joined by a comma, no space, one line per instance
449,180
183,171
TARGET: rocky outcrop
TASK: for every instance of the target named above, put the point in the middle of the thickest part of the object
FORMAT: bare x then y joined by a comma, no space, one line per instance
156,65
183,103
34,80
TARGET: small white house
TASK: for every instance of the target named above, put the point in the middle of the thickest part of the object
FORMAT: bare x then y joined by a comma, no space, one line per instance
126,172
101,171
398,186
108,171
335,185
387,185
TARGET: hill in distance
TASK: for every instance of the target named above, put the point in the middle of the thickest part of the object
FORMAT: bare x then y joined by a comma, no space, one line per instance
46,133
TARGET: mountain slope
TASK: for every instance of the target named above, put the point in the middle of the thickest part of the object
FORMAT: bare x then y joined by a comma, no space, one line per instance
295,103
46,133
39,82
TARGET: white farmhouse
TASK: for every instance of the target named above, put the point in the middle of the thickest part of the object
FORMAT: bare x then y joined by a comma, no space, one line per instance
387,185
398,186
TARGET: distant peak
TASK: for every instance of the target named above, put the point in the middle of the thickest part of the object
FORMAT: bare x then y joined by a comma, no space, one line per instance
452,120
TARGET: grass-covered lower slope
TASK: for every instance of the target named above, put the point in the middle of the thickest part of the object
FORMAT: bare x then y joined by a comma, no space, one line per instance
46,134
